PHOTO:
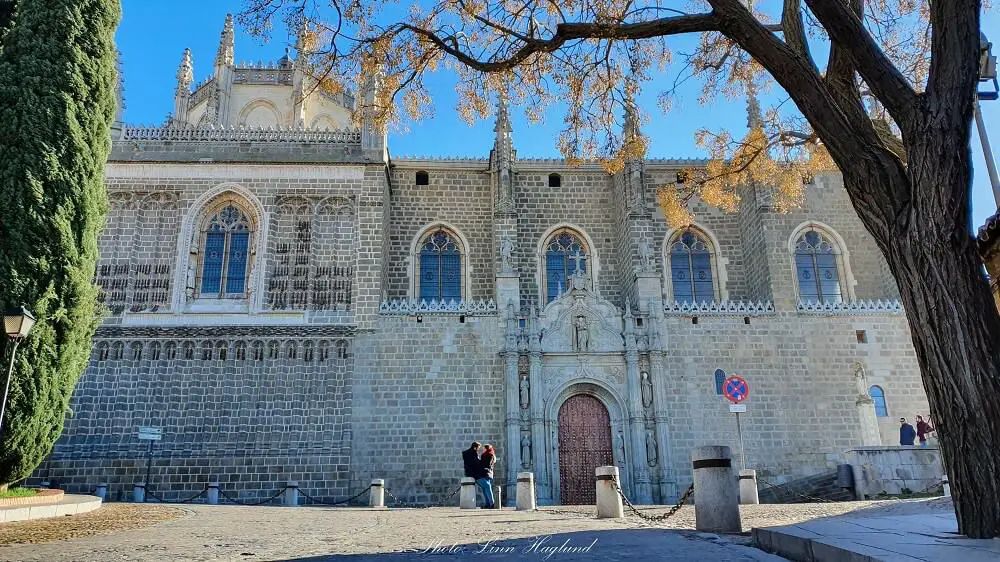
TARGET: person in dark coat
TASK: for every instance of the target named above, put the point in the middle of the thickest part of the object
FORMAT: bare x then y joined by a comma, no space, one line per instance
485,480
470,458
906,433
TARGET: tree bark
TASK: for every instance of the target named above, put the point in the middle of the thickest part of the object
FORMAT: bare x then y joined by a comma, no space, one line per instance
954,324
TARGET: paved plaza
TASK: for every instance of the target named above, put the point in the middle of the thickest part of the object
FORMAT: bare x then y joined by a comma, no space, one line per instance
204,533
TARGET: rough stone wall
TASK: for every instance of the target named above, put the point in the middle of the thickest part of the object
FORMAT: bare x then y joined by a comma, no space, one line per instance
423,392
461,198
801,409
248,407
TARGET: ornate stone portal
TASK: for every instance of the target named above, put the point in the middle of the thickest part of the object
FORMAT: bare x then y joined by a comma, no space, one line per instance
583,346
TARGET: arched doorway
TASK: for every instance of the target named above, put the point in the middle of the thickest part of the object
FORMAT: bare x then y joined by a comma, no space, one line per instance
584,444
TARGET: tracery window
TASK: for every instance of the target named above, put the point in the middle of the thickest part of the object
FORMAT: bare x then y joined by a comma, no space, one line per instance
878,396
440,267
226,249
691,268
818,268
565,254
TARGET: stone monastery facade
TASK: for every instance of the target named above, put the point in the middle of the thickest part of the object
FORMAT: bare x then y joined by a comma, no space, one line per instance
287,301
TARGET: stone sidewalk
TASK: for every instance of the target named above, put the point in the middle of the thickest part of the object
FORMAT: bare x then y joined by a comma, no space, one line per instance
915,531
217,533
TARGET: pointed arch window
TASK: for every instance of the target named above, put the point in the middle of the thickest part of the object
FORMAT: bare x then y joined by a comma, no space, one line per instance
691,268
878,396
565,254
226,249
818,268
440,267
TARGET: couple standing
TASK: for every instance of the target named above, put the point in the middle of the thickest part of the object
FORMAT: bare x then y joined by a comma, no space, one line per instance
481,468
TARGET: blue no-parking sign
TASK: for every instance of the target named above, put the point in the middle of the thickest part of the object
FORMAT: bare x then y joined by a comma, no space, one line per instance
736,389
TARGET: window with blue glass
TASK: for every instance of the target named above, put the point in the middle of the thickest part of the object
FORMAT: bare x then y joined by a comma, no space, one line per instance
440,268
817,265
565,255
720,379
225,255
691,268
878,396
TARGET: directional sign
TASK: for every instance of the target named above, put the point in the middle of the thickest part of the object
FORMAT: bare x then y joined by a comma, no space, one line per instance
736,389
150,433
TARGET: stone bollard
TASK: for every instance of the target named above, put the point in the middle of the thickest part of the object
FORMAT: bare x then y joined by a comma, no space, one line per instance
376,495
609,503
748,487
945,484
497,497
139,492
717,498
213,493
102,490
525,491
467,497
291,498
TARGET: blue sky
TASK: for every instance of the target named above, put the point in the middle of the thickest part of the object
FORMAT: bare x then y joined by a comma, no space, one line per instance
154,34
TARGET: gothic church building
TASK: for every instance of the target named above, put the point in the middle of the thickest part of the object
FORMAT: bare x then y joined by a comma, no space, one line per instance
288,301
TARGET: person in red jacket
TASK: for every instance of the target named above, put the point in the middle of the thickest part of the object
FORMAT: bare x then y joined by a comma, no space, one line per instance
485,479
923,429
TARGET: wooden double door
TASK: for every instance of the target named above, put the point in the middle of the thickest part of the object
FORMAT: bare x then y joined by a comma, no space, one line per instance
584,444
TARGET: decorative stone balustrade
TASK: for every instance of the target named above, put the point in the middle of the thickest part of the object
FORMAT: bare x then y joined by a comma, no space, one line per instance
222,134
851,308
405,307
719,308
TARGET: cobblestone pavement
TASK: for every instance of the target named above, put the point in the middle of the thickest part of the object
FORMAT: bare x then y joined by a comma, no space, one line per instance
229,533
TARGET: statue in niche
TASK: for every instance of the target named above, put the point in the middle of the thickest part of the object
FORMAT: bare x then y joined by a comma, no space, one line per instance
647,390
620,449
524,392
645,255
861,379
525,450
506,254
650,448
582,334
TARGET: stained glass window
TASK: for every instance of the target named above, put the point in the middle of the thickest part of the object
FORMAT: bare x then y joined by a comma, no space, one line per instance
440,268
564,256
818,269
878,396
226,254
691,268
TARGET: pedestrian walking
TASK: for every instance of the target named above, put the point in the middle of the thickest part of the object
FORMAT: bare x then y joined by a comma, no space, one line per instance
906,433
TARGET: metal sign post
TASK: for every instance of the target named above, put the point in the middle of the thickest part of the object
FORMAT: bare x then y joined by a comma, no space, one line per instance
736,390
151,434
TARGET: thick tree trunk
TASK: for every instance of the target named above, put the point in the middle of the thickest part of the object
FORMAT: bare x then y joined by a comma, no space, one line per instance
954,325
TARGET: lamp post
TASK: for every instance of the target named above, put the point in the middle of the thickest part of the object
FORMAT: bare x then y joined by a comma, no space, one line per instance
17,322
987,74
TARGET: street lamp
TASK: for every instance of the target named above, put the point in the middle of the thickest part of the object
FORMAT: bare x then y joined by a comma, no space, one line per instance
17,322
987,74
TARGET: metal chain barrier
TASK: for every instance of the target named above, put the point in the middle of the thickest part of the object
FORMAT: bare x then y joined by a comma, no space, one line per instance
654,518
262,502
400,503
813,499
151,494
348,500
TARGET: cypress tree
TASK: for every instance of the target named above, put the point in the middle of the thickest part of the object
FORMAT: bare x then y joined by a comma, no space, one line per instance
57,101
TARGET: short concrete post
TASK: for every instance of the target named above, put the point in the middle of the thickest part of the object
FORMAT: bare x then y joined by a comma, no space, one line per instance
945,485
748,487
467,497
376,495
498,497
102,490
609,503
525,491
139,492
716,493
213,493
291,498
